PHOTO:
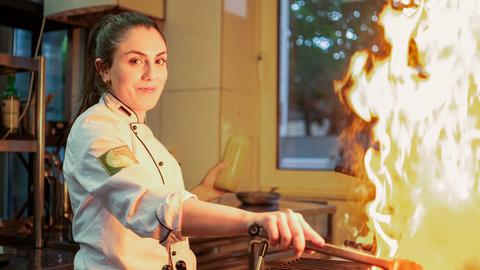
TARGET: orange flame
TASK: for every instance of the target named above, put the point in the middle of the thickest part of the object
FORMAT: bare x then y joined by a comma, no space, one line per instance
423,100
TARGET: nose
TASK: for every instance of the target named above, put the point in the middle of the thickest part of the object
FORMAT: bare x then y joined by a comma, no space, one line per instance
148,72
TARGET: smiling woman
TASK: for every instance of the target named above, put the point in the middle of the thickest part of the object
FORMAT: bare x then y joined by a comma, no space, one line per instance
137,76
131,209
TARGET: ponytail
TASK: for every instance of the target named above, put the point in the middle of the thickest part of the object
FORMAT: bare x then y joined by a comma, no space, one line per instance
91,91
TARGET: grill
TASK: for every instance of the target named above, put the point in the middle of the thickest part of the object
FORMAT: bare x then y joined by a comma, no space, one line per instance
281,261
320,264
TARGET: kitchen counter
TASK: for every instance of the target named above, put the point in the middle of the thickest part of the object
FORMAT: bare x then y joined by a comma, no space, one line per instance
303,207
27,257
232,252
59,254
307,209
17,251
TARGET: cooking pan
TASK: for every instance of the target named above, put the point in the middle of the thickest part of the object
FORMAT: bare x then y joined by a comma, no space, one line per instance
256,198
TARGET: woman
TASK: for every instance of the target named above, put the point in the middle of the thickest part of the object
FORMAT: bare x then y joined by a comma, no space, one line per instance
131,210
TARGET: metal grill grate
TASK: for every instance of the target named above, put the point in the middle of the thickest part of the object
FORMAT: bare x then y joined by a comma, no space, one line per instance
320,264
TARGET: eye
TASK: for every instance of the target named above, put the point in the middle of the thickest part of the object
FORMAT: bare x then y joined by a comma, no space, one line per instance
135,61
161,61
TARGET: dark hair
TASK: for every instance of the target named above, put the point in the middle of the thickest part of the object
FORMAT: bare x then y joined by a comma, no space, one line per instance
103,41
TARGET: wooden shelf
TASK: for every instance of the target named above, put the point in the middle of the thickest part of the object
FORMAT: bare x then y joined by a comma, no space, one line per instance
10,64
26,14
18,146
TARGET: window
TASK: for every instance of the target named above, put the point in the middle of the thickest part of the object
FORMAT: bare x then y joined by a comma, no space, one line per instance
54,49
316,40
291,156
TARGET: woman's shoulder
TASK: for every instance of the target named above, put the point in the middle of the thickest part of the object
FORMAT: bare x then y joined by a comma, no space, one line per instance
98,120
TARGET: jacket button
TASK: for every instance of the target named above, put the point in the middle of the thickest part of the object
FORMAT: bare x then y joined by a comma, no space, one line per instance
166,267
180,265
174,253
134,127
160,163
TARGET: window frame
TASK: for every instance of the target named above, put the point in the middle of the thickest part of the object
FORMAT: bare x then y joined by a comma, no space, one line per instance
324,184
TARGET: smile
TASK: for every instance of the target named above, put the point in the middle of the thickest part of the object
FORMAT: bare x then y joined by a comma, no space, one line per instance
147,89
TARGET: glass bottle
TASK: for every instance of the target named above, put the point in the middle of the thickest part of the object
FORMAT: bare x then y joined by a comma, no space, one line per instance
235,155
10,106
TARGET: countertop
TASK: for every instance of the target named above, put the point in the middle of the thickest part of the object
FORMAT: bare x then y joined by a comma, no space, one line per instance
303,207
18,253
232,252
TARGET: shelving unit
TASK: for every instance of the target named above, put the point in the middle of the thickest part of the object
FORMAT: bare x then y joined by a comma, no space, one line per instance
10,64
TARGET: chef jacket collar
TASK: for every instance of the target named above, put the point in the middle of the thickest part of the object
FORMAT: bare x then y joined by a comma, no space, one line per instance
116,105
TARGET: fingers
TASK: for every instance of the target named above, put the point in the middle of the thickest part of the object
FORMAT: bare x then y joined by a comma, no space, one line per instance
221,165
270,224
217,168
211,176
290,229
310,233
284,230
298,237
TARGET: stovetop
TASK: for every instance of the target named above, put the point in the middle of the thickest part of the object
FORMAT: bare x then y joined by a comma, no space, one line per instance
320,264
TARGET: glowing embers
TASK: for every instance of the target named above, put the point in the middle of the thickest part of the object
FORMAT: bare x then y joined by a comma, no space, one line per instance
423,102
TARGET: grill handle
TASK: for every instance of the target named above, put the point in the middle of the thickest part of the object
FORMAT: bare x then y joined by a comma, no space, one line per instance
352,255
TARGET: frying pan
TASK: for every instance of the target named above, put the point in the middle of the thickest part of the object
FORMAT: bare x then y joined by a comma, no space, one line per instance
256,198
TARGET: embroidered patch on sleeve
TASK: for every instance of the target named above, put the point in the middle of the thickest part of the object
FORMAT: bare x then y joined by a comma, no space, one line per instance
114,160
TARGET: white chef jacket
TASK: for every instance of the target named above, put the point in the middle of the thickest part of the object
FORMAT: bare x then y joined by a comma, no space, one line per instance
128,218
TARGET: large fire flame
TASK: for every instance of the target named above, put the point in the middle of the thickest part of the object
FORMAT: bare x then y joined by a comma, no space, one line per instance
423,101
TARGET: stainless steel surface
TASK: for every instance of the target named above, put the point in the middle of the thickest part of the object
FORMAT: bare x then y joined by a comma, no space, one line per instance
353,255
39,185
58,201
58,257
256,253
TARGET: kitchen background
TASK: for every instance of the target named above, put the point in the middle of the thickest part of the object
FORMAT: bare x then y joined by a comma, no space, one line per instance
289,75
264,69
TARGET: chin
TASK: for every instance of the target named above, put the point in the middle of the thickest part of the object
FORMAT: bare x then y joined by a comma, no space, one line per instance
149,106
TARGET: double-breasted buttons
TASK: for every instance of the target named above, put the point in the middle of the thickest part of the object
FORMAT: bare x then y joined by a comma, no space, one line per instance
181,265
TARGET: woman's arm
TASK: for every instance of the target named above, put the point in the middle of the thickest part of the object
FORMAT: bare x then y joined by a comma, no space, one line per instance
285,228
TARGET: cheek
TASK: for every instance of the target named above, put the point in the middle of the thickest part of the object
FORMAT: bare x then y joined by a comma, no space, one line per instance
122,80
161,76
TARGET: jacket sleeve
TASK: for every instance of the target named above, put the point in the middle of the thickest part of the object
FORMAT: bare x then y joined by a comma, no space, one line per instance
135,195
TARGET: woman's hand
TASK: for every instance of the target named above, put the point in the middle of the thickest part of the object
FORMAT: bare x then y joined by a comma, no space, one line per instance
206,191
287,228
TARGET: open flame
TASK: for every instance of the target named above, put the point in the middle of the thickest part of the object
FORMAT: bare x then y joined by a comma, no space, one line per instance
423,100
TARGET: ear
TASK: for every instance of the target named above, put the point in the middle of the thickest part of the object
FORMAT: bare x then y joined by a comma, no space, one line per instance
103,73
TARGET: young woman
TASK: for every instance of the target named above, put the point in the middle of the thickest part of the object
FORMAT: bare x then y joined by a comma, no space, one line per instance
131,210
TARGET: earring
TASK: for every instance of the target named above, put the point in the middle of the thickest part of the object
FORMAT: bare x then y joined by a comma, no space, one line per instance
108,84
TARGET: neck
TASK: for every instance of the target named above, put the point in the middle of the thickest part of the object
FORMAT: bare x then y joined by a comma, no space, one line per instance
141,116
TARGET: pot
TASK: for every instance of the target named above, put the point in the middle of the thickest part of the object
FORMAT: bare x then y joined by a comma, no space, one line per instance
256,198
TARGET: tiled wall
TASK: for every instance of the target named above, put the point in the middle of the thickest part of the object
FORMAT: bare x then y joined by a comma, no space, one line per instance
210,93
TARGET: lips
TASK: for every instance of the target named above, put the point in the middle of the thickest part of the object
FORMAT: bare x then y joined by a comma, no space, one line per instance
148,89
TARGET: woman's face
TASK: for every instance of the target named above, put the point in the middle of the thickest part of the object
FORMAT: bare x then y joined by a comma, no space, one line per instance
139,69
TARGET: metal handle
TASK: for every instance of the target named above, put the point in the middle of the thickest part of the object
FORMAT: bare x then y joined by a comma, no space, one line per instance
255,230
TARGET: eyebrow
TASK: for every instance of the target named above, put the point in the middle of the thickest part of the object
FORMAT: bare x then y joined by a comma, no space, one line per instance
143,54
